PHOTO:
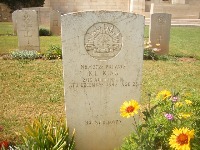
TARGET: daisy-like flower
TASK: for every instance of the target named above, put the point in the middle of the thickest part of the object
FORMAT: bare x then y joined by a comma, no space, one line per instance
174,98
164,95
184,115
129,108
188,102
179,104
180,139
169,116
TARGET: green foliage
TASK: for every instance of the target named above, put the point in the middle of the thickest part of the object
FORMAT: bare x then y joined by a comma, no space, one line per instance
18,4
44,32
151,53
162,115
54,52
24,54
47,134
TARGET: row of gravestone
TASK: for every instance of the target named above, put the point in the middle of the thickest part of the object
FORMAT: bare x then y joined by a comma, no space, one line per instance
55,24
25,23
102,63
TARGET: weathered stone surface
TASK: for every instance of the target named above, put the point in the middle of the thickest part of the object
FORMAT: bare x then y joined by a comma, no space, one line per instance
27,30
14,21
159,32
55,22
43,14
102,61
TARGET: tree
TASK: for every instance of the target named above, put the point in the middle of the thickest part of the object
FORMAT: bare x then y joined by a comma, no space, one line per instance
18,4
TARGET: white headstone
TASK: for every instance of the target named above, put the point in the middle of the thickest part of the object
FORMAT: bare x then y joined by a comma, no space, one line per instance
14,21
102,60
159,32
55,22
28,30
152,9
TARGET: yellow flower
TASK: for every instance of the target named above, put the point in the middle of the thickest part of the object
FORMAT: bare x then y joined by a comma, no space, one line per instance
188,102
187,94
184,115
164,95
180,139
129,108
179,104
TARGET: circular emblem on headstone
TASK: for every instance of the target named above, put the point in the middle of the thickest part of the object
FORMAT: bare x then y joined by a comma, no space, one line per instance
103,41
161,20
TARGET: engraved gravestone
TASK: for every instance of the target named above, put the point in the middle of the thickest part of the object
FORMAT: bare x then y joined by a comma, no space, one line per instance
102,61
14,21
159,32
55,22
27,30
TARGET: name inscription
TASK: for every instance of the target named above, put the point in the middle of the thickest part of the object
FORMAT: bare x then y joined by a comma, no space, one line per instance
102,76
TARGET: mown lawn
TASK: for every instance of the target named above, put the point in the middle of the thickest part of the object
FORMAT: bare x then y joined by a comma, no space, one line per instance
31,88
184,41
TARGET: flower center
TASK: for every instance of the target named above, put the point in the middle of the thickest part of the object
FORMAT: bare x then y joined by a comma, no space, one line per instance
130,109
182,139
165,95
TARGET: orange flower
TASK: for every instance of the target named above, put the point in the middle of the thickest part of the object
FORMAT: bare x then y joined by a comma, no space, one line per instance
129,108
180,139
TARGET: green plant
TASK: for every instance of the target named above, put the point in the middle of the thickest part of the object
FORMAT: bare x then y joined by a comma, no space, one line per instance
54,52
25,54
44,32
47,134
149,52
170,121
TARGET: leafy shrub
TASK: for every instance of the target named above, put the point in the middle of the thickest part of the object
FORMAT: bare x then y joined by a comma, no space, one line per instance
46,134
25,54
44,32
169,121
149,52
54,52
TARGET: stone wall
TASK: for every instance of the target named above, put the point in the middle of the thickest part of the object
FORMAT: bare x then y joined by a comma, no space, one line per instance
65,6
180,9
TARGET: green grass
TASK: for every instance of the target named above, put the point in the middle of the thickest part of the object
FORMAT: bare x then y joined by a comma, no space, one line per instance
27,90
9,43
31,88
6,28
184,41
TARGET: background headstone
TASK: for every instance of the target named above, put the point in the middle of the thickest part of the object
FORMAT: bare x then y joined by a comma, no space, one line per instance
102,61
27,30
43,14
55,22
159,32
14,21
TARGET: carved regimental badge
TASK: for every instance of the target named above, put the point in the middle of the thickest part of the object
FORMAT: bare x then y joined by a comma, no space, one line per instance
103,41
161,20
